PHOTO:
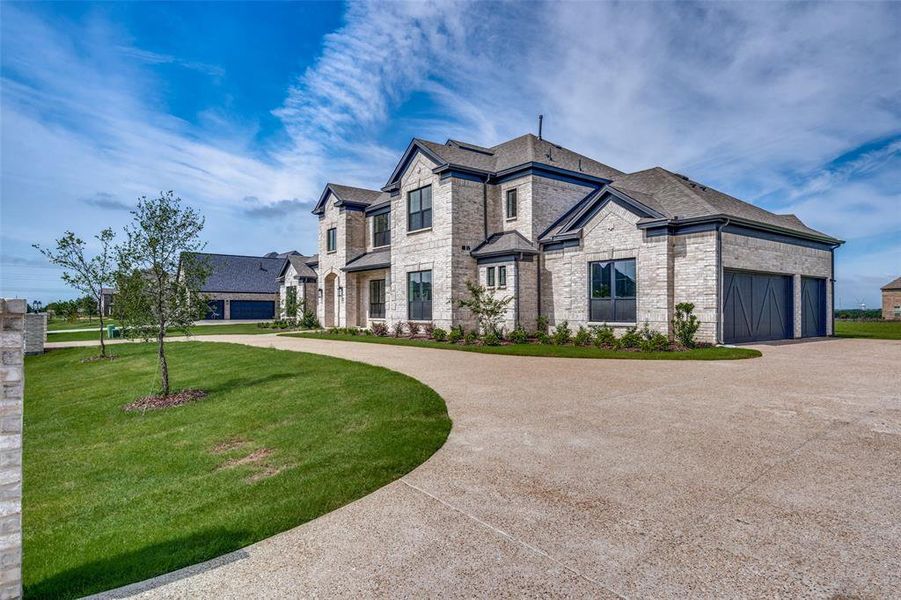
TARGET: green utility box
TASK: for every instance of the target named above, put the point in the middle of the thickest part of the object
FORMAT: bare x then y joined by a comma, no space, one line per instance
113,332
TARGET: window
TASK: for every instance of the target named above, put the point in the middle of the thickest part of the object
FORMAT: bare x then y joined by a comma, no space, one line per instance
377,299
897,311
511,204
489,275
381,230
611,294
419,295
331,239
502,277
419,208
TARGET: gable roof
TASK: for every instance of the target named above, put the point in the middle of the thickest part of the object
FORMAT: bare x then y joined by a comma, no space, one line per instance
235,273
301,266
505,242
892,285
377,259
491,161
348,196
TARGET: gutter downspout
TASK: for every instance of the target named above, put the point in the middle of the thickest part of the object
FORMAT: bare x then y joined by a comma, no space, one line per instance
485,208
516,262
720,309
538,279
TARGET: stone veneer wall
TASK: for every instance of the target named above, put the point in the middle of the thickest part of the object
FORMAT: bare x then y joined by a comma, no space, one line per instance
360,283
35,332
890,299
755,254
695,277
12,370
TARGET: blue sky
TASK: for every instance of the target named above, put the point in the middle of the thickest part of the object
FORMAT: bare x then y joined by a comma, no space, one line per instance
247,110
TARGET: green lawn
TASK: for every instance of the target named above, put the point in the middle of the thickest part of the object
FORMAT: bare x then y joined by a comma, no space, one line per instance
718,353
884,330
57,323
244,328
112,497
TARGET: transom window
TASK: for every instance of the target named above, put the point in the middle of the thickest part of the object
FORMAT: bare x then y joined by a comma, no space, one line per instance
331,239
489,276
377,299
419,208
611,293
502,276
381,230
511,204
419,295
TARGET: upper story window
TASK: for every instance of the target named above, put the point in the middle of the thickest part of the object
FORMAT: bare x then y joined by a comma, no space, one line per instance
419,208
511,204
331,239
611,293
502,276
489,276
381,230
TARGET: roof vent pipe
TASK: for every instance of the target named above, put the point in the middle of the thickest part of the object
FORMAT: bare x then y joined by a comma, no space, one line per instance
540,119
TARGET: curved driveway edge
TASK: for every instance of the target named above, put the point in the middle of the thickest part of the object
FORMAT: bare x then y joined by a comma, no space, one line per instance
778,476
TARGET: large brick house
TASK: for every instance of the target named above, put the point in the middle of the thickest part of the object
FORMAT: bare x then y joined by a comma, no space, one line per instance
891,300
569,238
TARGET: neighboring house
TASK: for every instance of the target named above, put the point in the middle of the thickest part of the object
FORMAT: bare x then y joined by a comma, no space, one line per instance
569,238
299,273
107,296
243,287
891,300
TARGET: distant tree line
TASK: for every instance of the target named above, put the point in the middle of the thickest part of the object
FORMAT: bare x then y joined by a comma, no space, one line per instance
858,313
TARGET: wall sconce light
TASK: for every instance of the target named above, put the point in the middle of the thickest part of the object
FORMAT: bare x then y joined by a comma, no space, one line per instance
319,293
340,292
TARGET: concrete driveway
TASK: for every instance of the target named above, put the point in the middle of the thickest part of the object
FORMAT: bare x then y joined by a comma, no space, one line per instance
778,476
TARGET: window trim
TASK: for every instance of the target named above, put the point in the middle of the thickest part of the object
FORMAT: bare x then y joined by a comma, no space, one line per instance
421,212
489,277
502,276
421,316
511,194
386,232
373,306
331,239
612,299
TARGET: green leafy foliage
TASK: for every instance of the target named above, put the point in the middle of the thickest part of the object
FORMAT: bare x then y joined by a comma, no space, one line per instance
488,309
685,324
291,301
491,339
380,329
562,333
438,334
604,337
519,336
583,337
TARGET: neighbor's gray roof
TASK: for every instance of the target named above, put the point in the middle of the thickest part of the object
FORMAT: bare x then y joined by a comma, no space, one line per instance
232,273
368,261
301,266
893,285
507,242
313,260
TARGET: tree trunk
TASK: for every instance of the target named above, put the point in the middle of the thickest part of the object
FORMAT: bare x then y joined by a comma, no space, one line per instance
164,367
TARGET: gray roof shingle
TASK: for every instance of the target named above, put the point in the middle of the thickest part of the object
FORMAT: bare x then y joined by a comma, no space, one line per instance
232,273
506,242
892,285
301,266
379,259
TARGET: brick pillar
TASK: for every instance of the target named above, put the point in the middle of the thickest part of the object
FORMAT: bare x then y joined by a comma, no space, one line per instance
35,333
12,380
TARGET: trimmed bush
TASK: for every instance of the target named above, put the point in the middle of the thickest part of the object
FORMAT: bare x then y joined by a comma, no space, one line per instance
541,324
685,324
562,333
470,338
630,339
604,337
655,342
491,339
438,334
544,338
455,335
519,336
582,337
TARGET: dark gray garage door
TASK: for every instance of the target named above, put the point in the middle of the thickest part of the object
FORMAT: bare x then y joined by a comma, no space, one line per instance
215,309
252,309
813,307
756,307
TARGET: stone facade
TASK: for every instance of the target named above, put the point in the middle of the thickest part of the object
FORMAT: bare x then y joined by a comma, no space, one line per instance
306,292
35,332
891,304
12,370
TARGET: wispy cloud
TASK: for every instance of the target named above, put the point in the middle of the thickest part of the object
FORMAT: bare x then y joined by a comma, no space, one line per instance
106,201
277,209
155,58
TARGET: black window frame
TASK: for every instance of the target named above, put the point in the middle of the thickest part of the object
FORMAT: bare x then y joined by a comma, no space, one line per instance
489,277
331,239
502,276
383,237
615,307
419,308
422,218
511,201
376,298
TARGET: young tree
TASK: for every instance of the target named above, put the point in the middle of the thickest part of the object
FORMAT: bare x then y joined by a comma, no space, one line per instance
488,309
291,301
87,275
160,276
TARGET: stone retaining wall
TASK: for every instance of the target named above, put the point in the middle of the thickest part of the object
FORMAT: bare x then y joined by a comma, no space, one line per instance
12,380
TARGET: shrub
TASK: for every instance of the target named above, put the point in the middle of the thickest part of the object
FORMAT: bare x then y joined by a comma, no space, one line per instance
544,338
655,342
470,338
685,324
630,339
398,329
582,337
455,335
438,334
264,325
308,319
487,309
541,324
519,336
562,333
604,337
428,329
379,329
491,339
414,328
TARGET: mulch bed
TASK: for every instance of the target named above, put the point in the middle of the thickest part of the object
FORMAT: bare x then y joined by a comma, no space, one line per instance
158,402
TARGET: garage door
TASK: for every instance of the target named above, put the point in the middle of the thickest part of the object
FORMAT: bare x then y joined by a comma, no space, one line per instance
215,309
756,307
252,309
813,307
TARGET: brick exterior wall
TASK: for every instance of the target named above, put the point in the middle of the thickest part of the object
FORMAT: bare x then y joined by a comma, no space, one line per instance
12,379
891,299
350,232
508,322
695,279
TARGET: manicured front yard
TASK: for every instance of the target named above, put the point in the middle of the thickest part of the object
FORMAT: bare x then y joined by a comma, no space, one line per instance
57,323
717,353
885,330
242,328
112,497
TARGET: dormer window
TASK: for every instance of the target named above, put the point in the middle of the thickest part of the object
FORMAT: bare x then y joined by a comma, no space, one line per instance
419,208
331,239
381,230
511,204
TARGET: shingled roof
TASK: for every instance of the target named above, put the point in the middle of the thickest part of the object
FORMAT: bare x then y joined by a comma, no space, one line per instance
348,195
378,259
892,285
301,266
244,274
506,242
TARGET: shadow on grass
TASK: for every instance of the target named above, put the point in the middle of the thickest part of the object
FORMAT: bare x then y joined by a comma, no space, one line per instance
138,565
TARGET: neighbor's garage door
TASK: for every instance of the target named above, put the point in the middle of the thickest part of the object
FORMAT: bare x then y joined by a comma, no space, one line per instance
252,309
756,307
215,309
813,307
